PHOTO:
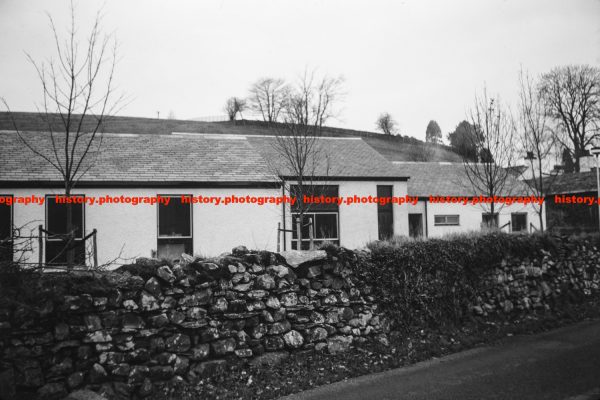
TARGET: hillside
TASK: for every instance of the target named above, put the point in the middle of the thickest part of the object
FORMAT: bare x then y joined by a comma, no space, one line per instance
394,148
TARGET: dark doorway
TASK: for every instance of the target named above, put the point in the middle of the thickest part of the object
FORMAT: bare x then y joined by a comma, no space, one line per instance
415,225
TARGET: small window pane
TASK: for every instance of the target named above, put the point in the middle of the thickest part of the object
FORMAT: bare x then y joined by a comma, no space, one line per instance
305,226
56,222
325,226
329,191
174,218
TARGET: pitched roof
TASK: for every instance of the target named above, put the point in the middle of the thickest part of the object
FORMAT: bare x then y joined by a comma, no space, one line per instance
577,182
180,158
335,157
448,179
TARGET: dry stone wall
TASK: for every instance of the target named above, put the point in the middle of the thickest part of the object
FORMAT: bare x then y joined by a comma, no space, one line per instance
119,333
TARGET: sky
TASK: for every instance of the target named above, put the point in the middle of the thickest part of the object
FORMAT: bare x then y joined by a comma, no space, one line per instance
416,59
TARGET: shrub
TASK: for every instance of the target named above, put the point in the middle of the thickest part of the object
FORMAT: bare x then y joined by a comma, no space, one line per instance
431,282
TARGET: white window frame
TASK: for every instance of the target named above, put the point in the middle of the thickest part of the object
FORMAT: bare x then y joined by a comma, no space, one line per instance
312,214
446,223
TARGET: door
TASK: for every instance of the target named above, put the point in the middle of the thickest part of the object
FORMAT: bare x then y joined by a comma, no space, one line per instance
415,225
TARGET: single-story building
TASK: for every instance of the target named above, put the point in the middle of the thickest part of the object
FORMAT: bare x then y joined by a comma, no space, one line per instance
182,166
431,218
184,173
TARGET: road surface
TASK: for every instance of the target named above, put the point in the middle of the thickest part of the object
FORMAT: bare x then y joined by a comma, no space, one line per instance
559,364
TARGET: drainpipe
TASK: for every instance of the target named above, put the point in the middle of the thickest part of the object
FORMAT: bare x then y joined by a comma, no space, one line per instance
426,224
283,212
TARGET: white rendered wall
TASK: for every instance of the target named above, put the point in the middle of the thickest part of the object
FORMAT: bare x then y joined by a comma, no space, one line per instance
471,217
131,231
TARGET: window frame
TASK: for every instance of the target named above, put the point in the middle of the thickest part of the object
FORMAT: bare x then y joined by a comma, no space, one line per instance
446,223
187,241
191,235
495,216
385,209
525,229
46,224
51,239
11,222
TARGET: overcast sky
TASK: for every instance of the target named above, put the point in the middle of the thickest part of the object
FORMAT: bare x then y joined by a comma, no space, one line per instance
417,59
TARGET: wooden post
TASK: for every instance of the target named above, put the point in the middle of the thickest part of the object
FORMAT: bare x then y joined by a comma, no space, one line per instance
278,237
298,233
311,245
40,246
95,248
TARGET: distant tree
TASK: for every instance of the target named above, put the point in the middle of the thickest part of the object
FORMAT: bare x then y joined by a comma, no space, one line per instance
572,98
234,106
386,124
433,134
567,161
267,97
171,115
463,140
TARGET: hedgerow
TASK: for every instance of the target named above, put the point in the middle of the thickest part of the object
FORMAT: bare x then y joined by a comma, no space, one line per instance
428,283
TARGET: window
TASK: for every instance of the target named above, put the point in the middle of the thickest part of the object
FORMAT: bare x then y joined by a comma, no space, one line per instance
441,220
6,216
56,225
489,221
174,228
385,213
518,222
324,217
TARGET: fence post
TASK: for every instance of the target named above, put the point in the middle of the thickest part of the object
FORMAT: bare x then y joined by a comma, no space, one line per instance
40,246
95,248
310,234
278,237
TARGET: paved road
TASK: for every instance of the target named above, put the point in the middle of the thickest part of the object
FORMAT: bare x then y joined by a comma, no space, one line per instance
560,364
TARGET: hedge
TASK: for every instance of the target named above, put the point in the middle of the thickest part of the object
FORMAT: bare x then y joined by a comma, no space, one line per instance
431,282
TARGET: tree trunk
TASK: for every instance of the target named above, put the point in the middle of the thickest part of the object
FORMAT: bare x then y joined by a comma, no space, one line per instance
70,234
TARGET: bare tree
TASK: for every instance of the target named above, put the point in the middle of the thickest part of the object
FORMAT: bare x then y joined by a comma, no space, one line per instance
234,106
171,115
267,97
536,138
302,160
493,140
78,96
386,124
572,98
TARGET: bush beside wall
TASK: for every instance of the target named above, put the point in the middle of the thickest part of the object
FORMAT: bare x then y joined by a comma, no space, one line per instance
443,281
